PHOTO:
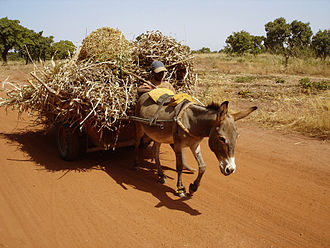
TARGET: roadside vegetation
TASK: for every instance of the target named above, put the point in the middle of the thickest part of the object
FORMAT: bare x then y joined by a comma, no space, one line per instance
286,73
295,97
20,43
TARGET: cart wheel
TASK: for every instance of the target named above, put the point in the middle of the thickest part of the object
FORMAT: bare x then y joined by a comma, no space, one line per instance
70,143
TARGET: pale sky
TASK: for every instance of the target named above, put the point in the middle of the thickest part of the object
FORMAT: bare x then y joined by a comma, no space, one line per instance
204,23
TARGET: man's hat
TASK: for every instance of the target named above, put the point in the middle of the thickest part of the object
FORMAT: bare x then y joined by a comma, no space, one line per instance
157,66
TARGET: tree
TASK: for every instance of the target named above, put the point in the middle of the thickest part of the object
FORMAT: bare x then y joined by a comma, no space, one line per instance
204,50
243,42
11,35
27,48
277,35
45,47
1,48
291,40
62,49
257,45
29,44
239,42
34,46
321,43
300,38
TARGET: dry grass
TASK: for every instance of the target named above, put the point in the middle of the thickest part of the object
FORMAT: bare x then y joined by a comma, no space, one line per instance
15,71
263,64
282,102
307,114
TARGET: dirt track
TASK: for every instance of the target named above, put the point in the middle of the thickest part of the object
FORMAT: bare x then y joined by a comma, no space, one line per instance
279,196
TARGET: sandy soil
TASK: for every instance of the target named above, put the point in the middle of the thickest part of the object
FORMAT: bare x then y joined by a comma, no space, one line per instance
279,196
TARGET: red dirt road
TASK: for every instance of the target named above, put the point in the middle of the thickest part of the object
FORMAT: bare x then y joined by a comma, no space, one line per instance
278,197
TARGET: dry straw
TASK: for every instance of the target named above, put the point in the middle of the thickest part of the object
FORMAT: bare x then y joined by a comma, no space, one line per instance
177,58
98,86
106,44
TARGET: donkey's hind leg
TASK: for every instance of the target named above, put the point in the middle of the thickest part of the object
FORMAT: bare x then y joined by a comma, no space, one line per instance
138,137
156,149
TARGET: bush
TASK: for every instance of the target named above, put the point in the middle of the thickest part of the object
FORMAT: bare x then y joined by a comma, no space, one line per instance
245,79
279,81
307,84
245,93
322,85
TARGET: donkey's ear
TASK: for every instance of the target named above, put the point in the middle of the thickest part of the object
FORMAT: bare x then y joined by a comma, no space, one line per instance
244,113
223,110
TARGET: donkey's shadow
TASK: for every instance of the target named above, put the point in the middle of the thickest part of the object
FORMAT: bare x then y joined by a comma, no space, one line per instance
41,148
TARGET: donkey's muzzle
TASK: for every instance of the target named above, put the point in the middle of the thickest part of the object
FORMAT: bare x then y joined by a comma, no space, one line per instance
227,166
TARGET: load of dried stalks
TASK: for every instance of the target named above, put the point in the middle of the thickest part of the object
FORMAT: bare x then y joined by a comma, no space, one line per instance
177,58
100,87
105,44
77,94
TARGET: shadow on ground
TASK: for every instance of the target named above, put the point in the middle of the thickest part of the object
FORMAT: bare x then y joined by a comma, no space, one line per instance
41,148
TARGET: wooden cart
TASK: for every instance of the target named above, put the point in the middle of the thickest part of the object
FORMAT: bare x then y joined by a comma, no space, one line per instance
73,142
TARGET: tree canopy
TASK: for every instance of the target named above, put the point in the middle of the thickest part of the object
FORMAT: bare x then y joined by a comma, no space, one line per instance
30,44
293,39
243,42
277,35
11,35
62,49
321,43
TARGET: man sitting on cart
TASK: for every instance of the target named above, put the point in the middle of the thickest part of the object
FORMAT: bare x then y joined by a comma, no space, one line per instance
158,72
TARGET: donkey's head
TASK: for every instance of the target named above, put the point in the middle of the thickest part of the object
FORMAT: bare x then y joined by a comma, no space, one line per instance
223,135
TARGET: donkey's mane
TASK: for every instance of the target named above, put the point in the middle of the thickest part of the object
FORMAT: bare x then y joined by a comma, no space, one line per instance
213,106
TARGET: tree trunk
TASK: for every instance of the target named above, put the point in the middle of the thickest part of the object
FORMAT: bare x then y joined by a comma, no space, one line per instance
286,61
4,56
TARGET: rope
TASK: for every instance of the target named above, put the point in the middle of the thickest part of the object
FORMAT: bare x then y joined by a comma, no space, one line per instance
179,118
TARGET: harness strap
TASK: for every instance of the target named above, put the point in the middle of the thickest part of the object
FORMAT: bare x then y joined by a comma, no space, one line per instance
162,100
179,118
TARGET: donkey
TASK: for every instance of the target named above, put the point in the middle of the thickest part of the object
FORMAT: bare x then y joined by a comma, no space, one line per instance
191,123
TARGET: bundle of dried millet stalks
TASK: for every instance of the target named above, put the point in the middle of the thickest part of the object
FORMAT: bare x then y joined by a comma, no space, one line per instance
176,57
76,94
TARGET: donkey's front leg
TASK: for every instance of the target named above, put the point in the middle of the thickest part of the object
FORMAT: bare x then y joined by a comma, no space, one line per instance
196,150
181,191
184,162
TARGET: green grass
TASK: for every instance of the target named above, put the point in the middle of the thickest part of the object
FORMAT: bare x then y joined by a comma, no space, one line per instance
245,79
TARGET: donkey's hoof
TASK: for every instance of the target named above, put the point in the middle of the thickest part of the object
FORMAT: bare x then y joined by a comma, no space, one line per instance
192,188
183,195
181,192
162,180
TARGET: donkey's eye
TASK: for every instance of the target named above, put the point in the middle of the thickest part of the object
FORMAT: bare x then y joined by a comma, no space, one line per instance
222,139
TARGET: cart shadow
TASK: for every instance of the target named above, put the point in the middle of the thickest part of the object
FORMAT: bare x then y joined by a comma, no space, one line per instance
41,149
